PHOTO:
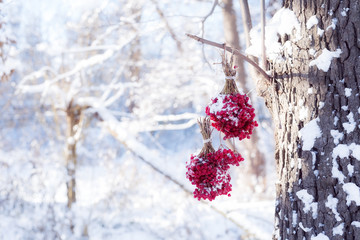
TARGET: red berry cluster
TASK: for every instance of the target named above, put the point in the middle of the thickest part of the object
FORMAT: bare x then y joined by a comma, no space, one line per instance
209,173
233,115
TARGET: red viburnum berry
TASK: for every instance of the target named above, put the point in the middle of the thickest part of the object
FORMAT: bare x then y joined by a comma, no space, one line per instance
233,115
209,173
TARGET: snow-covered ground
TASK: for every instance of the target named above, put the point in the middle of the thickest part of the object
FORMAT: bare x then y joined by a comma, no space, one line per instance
119,197
130,173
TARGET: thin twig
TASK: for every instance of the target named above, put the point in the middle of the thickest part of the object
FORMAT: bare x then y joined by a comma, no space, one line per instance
232,50
167,25
216,2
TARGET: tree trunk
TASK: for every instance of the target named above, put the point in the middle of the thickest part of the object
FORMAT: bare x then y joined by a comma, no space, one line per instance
135,54
246,18
232,38
5,41
73,116
316,117
70,161
253,155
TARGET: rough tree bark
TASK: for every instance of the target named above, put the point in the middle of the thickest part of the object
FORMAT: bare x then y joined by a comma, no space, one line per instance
316,171
254,156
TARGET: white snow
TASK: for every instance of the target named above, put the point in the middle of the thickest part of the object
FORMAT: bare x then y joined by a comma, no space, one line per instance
292,162
350,169
284,27
283,22
320,236
294,218
345,108
303,113
336,172
321,105
343,151
344,12
309,133
119,194
348,92
310,90
338,230
333,24
304,228
351,125
356,224
337,136
288,48
353,193
308,201
313,158
217,107
311,22
71,141
332,204
320,31
312,52
323,61
299,163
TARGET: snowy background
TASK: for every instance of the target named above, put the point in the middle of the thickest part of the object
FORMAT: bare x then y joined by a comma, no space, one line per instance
138,130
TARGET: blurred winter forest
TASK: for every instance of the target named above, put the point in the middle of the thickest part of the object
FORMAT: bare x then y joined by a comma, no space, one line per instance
99,104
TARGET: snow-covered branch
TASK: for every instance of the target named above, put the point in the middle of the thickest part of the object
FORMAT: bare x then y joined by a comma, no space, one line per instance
232,50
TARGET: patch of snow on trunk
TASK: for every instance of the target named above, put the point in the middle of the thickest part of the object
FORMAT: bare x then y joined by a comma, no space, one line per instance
323,61
311,22
350,126
320,236
338,230
332,204
283,22
308,201
309,133
353,193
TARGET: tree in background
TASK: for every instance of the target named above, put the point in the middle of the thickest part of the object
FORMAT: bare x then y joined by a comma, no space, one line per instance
87,82
250,148
6,63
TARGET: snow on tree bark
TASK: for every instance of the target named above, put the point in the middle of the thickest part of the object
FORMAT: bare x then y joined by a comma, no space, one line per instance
317,124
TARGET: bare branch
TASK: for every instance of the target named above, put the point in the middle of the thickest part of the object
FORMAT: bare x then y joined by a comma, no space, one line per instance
167,26
216,2
232,50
